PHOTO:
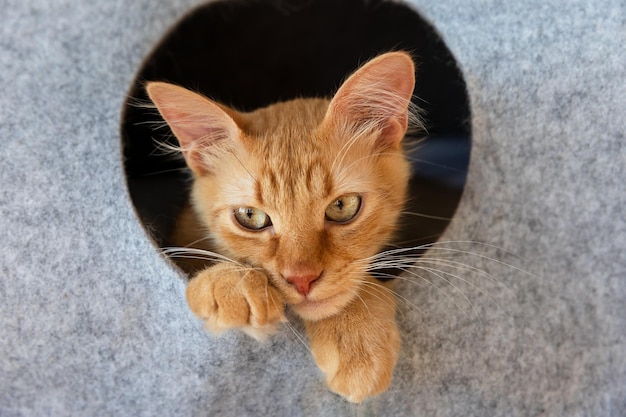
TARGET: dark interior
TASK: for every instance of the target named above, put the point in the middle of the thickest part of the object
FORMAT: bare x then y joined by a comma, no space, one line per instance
251,53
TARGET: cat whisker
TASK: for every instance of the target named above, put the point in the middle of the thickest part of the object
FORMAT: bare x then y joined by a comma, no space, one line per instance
162,148
387,102
287,323
488,258
344,151
298,336
348,167
426,162
390,252
473,242
164,171
396,259
459,266
395,294
194,253
364,303
154,124
439,247
199,241
430,283
139,103
408,262
244,167
426,216
440,274
451,275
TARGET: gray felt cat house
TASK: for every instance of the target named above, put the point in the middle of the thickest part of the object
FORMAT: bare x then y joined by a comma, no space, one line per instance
94,319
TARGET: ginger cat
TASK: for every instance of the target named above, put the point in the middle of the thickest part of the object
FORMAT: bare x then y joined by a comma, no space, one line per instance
295,198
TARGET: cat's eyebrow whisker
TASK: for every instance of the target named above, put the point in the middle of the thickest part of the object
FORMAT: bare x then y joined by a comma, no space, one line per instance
370,156
164,171
424,161
344,151
156,124
198,241
244,167
356,161
165,147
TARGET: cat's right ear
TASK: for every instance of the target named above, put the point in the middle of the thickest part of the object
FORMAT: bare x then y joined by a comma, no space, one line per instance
197,122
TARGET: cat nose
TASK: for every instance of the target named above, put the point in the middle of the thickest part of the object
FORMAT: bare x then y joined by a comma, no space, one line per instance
302,278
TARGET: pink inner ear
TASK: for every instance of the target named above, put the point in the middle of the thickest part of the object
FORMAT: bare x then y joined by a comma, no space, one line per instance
196,121
376,98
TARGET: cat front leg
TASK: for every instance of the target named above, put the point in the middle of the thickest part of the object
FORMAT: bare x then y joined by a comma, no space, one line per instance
228,296
358,348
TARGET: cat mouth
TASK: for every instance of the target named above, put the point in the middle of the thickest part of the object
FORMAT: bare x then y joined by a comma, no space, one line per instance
320,309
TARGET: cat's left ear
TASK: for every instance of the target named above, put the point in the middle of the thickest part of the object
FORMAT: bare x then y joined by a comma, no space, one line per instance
375,99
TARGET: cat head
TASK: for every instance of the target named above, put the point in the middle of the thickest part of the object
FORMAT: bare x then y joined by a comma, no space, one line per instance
306,189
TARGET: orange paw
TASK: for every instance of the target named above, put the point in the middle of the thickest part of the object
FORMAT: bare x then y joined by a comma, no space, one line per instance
231,297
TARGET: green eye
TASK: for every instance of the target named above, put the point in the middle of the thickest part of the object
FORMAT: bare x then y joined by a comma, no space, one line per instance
252,218
344,209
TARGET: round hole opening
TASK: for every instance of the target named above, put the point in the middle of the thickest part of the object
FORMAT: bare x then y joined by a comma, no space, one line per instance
249,54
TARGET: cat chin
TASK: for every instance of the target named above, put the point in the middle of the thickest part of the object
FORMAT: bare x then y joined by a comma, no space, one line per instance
314,310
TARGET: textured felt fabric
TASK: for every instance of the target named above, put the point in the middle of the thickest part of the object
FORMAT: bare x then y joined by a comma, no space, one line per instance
94,322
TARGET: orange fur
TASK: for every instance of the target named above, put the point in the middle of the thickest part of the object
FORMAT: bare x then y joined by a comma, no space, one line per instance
291,160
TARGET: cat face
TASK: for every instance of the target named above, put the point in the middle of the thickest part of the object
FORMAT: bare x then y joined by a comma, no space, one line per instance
306,190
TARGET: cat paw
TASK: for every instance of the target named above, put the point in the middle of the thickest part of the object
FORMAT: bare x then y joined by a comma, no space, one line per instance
229,297
357,350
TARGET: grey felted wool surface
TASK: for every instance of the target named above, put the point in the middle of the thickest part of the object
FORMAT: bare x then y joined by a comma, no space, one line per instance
94,322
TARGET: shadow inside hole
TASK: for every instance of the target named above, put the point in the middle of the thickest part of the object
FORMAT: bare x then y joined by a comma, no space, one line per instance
249,54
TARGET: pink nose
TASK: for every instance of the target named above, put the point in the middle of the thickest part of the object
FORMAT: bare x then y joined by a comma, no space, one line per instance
301,279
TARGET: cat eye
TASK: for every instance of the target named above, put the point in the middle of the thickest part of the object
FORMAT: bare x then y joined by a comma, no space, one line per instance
343,209
252,218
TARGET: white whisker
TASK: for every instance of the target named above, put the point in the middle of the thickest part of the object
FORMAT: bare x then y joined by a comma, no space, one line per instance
449,274
194,253
395,294
298,336
440,275
426,216
289,325
432,284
